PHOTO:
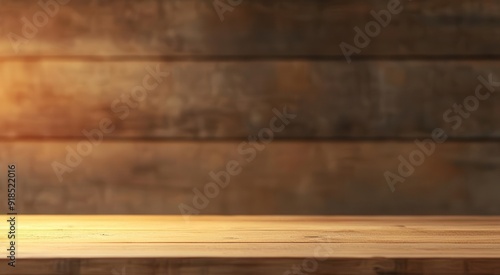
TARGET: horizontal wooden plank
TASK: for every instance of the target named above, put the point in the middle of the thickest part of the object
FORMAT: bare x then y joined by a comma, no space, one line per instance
284,178
251,266
240,229
258,250
79,236
253,28
236,99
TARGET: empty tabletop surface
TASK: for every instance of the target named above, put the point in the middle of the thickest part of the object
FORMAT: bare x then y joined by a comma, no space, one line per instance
124,236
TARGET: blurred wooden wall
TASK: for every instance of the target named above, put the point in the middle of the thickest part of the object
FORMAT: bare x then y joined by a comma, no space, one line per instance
352,121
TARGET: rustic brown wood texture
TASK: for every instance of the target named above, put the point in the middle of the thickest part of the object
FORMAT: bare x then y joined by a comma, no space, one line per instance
224,80
284,178
353,121
254,28
231,99
252,266
317,237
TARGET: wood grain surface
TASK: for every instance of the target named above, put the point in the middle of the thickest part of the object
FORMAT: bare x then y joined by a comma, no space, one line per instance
290,177
221,100
252,266
225,77
52,237
192,28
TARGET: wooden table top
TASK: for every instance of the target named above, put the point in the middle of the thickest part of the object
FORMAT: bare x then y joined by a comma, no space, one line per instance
82,236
